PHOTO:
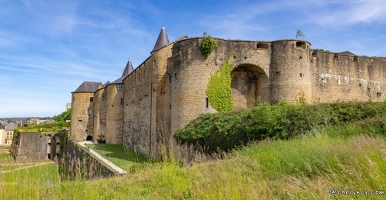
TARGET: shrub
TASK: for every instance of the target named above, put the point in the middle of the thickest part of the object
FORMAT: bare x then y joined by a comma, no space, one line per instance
227,130
207,45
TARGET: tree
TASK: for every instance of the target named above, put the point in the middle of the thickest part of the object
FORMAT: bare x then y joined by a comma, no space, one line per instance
64,116
299,34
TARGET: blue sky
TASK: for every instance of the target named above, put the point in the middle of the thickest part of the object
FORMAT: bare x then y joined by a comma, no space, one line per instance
49,47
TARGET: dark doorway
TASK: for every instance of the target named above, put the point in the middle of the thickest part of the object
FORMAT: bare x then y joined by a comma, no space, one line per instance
89,138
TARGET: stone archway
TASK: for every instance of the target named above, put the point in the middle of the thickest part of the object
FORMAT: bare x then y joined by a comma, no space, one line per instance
89,138
249,86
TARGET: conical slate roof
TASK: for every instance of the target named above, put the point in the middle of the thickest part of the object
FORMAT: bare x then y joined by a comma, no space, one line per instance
347,53
162,40
87,86
104,85
128,69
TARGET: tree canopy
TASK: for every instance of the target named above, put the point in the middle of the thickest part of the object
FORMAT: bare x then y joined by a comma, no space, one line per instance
64,116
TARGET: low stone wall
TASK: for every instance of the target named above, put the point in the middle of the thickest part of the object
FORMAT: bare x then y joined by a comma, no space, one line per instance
77,163
36,146
30,147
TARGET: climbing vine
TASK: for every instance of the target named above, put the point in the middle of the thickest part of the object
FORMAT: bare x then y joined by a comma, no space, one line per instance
219,89
207,45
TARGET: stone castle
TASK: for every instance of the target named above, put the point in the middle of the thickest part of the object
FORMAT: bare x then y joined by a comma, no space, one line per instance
145,106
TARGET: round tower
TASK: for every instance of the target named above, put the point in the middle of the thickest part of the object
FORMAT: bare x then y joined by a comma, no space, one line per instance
290,75
82,108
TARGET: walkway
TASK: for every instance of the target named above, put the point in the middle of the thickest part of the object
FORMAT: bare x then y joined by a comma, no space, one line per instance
112,165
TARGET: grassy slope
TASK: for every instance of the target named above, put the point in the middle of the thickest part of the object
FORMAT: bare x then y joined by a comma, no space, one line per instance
117,154
305,167
349,155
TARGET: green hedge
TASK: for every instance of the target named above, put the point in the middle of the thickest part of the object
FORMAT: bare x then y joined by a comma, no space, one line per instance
227,130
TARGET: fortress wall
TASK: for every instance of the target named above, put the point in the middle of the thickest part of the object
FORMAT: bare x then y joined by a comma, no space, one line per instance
191,73
290,71
342,77
114,115
99,113
31,147
160,113
137,108
81,122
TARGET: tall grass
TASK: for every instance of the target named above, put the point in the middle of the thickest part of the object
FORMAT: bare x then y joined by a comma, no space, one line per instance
306,167
21,180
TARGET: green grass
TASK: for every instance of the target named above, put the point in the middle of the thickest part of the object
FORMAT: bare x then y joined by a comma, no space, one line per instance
307,167
4,157
20,180
54,127
119,155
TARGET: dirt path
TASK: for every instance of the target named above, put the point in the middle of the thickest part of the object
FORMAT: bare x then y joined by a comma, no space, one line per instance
25,167
4,150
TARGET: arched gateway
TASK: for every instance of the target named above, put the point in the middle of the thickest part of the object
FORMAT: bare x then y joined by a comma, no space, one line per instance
249,86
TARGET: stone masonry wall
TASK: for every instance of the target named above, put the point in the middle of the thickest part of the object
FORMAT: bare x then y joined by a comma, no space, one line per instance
114,113
290,77
81,121
99,113
191,73
137,109
339,77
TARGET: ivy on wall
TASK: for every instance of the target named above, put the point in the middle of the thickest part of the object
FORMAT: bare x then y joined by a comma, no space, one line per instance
207,45
219,89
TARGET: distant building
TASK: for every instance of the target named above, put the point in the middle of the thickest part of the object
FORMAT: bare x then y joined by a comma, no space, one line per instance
34,121
9,130
2,134
68,106
3,122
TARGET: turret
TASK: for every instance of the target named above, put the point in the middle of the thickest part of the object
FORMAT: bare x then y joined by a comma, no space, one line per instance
82,111
290,75
162,40
115,104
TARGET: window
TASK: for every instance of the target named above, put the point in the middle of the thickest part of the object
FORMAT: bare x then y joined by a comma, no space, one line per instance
88,111
262,45
170,79
301,44
91,99
155,64
119,87
121,101
206,102
175,76
103,97
336,55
